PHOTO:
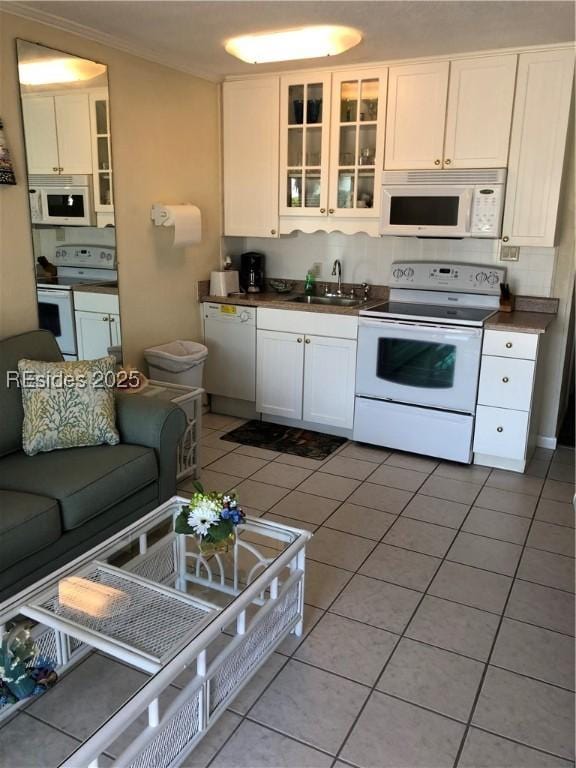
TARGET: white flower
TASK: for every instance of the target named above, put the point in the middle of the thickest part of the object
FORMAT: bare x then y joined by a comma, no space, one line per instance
203,515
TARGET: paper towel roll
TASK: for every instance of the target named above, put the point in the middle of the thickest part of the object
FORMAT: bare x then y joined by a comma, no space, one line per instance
187,223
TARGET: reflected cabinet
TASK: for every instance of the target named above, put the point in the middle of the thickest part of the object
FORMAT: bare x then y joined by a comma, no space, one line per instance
332,143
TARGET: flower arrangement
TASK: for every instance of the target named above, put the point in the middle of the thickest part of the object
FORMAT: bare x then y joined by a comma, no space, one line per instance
22,673
212,517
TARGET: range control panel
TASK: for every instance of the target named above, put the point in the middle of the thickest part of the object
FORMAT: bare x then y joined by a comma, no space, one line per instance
95,256
446,276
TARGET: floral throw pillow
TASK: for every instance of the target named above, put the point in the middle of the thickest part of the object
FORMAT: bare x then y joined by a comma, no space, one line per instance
67,405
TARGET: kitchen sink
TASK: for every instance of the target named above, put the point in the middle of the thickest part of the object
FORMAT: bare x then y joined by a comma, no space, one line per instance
333,301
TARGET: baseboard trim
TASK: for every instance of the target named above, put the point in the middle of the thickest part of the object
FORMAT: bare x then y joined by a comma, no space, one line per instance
546,442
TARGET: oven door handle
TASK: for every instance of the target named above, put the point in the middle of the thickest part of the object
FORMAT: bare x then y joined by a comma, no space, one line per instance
421,327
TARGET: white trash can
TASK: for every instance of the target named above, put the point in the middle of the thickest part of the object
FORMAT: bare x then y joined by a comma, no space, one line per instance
179,362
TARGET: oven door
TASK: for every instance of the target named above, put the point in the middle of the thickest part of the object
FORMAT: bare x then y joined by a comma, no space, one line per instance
56,314
427,365
426,211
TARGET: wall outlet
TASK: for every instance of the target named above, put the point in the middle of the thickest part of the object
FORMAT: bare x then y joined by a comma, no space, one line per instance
510,253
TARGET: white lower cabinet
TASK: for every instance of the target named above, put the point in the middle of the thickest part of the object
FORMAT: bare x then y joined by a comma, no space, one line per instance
279,373
95,333
329,377
502,436
306,376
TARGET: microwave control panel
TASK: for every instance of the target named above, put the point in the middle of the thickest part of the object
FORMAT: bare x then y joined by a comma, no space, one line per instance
440,276
487,209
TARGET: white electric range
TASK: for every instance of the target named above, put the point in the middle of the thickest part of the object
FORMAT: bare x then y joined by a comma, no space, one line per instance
76,265
419,358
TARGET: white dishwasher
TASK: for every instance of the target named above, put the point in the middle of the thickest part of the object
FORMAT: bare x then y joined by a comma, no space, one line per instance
230,335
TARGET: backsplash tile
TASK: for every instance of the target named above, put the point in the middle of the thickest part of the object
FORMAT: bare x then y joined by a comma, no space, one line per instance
368,259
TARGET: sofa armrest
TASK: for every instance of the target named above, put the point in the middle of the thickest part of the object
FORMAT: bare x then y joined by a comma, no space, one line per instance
155,424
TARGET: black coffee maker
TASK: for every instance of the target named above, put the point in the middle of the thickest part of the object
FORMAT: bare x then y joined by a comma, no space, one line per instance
252,272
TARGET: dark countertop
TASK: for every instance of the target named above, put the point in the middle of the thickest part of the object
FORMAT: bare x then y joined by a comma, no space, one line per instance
284,301
100,288
518,320
523,322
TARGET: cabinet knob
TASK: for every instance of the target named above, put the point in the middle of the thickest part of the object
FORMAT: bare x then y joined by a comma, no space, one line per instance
322,210
499,429
299,341
105,318
307,341
508,345
505,379
505,239
272,231
447,162
55,169
330,210
60,169
111,319
437,162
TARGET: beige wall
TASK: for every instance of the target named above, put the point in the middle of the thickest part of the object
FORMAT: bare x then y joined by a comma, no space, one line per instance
555,347
166,148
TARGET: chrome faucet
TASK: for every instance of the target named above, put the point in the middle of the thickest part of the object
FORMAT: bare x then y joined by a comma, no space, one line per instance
337,272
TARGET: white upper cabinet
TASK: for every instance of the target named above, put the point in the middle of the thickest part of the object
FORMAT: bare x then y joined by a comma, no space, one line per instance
416,115
74,136
58,136
537,146
304,142
41,138
450,115
480,100
357,142
250,137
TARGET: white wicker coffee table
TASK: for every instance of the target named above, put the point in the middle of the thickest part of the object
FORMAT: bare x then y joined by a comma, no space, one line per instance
149,598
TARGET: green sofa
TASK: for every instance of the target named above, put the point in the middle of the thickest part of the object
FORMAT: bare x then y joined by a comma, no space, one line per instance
54,506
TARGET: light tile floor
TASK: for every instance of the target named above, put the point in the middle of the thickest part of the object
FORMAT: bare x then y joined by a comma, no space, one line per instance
439,620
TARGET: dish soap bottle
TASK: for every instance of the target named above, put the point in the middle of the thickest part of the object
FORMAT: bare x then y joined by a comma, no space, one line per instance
310,284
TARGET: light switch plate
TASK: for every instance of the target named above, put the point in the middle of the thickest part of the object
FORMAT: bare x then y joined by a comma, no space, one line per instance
510,253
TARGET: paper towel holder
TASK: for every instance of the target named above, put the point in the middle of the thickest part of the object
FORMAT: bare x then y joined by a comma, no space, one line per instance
160,215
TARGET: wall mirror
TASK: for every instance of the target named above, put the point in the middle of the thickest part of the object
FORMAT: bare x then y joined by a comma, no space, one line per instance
66,118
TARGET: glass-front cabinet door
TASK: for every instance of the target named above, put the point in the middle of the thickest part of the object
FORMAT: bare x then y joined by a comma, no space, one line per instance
357,142
304,121
101,154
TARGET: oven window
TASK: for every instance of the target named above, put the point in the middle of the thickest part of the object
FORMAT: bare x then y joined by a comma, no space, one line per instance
49,317
71,205
426,210
416,363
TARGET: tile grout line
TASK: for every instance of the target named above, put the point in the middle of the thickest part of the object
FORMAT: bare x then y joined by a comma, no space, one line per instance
402,635
492,648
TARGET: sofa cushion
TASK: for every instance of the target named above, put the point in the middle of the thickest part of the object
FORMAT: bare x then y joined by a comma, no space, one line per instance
38,345
28,523
85,481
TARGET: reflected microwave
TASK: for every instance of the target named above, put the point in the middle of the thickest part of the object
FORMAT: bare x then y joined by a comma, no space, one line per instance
65,201
453,203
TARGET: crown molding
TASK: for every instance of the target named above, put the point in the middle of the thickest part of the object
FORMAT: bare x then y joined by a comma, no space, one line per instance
25,11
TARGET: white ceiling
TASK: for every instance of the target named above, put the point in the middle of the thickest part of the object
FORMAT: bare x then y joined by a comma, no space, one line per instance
189,34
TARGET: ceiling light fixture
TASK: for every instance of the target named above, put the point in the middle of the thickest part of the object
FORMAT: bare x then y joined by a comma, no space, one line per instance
52,71
291,44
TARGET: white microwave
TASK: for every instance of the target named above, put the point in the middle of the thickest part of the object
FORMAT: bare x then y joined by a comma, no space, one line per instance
455,203
62,200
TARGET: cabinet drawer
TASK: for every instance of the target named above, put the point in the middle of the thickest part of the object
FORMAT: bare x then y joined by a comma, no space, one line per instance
510,344
500,432
506,383
310,323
